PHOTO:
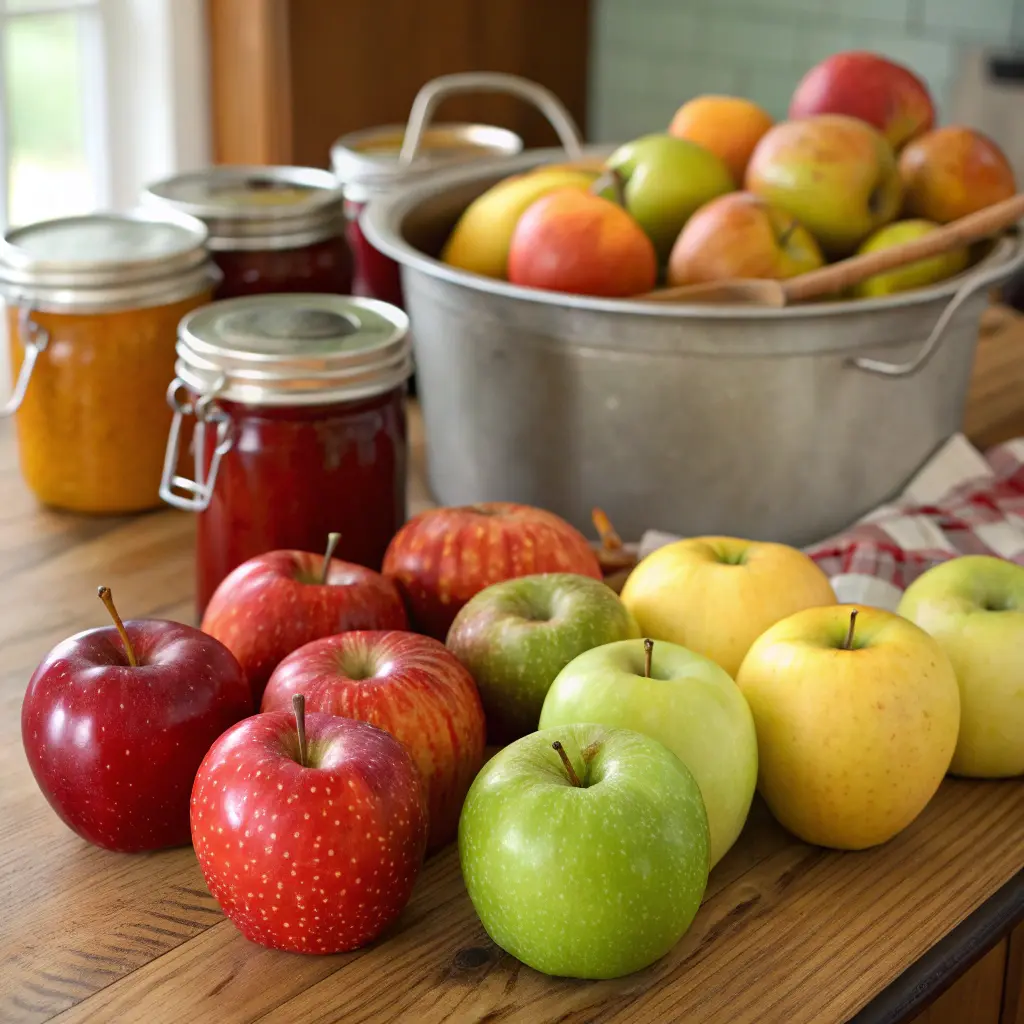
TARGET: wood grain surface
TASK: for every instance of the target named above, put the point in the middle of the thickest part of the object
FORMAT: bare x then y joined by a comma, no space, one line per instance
787,932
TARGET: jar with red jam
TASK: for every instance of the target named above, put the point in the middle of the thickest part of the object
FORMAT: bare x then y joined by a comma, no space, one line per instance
271,229
298,404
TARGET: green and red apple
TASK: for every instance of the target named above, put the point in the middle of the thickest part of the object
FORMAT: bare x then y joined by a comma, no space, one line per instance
857,712
516,636
589,868
716,595
919,274
667,179
974,607
836,174
682,699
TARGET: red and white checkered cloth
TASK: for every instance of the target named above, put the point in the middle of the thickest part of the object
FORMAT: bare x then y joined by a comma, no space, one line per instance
960,503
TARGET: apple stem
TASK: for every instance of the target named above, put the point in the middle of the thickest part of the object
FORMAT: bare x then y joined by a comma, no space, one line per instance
648,654
108,600
332,543
848,642
610,540
788,233
299,707
613,179
569,770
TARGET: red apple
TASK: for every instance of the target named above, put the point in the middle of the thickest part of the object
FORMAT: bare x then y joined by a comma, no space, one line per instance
444,556
577,242
310,829
411,686
275,603
885,94
117,720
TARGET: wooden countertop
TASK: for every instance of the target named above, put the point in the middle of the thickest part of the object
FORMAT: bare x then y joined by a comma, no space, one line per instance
787,933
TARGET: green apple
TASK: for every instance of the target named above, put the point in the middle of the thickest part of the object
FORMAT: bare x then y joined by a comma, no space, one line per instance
974,607
857,712
666,181
682,699
913,275
516,636
592,868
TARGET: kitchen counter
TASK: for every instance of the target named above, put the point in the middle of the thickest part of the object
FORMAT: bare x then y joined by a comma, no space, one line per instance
787,933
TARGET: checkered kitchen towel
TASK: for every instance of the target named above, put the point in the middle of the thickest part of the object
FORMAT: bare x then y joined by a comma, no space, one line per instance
960,503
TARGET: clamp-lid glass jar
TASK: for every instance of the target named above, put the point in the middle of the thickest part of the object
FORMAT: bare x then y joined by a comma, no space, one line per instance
93,305
272,229
300,430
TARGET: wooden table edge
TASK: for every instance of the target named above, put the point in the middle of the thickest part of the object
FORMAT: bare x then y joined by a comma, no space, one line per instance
951,957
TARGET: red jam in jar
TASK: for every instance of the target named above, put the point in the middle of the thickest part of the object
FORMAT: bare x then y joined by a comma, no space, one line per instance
300,430
271,229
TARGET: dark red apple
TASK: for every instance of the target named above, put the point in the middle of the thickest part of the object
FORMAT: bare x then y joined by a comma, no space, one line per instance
117,720
310,834
275,603
444,556
411,686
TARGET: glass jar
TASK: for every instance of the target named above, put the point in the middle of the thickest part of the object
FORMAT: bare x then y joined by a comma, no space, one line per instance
367,163
271,229
300,430
93,305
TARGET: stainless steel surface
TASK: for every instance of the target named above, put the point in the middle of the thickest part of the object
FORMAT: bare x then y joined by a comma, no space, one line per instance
691,419
105,262
34,340
301,349
256,208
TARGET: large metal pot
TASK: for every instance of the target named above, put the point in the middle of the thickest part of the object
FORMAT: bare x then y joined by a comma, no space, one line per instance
778,424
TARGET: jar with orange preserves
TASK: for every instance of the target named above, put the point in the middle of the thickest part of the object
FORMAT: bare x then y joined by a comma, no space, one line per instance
93,305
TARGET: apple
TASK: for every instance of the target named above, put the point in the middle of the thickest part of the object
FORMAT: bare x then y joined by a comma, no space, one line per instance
583,244
716,595
589,867
516,636
679,698
480,240
974,608
739,235
116,721
913,275
836,174
310,830
857,712
274,603
442,557
954,171
408,685
728,126
886,95
666,181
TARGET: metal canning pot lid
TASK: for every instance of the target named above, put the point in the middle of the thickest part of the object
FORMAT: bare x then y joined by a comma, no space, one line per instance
256,207
367,161
302,349
105,261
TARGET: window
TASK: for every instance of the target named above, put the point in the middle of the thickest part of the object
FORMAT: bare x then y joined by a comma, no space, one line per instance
97,97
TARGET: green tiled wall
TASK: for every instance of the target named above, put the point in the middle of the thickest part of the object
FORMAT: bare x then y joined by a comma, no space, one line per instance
649,56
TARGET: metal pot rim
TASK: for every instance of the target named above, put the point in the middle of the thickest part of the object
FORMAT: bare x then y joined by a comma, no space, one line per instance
383,216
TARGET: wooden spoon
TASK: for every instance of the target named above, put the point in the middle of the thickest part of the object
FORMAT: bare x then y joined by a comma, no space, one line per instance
841,275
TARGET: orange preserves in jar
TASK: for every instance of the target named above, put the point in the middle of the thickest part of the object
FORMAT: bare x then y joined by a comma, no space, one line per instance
93,306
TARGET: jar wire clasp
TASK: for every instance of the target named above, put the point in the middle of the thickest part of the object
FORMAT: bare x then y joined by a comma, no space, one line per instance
194,495
34,340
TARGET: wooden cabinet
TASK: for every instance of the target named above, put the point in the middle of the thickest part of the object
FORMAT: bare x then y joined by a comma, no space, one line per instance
290,76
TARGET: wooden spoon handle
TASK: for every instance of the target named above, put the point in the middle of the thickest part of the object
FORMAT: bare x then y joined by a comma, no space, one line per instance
957,233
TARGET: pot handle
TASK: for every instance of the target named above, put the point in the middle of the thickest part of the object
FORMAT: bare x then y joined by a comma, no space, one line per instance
543,99
973,284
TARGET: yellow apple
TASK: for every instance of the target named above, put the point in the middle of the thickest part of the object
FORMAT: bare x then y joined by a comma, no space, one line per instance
717,595
481,238
856,722
974,607
913,275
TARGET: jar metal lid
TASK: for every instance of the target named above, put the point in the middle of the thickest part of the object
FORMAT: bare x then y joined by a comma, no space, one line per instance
300,349
366,161
253,208
105,261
